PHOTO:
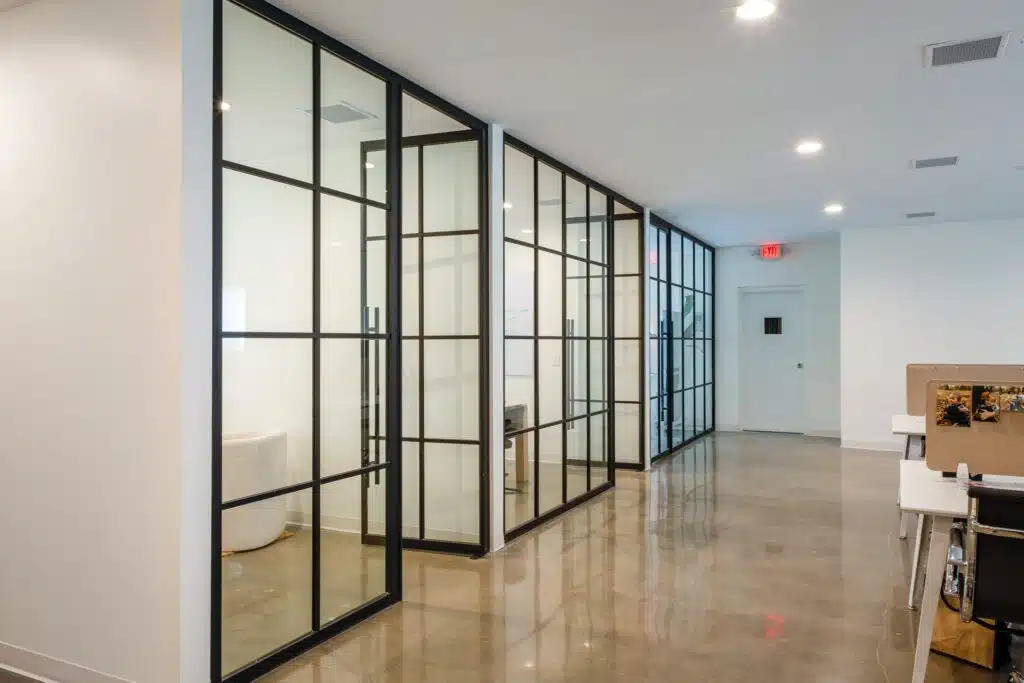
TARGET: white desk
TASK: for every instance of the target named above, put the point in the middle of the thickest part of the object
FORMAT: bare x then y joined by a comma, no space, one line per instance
941,500
909,426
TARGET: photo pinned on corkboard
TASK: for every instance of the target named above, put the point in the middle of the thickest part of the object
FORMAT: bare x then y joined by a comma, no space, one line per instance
985,404
953,405
1011,399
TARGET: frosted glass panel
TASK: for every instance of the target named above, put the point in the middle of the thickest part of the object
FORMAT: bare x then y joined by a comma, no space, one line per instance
576,456
268,256
549,207
676,247
598,239
410,388
575,298
411,190
341,404
451,187
627,306
451,389
627,434
549,285
451,480
627,370
519,277
550,379
627,247
268,87
343,271
519,224
353,109
687,262
450,285
575,218
267,408
598,300
410,286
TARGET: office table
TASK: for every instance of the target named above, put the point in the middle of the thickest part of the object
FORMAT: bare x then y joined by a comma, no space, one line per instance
909,426
940,500
515,419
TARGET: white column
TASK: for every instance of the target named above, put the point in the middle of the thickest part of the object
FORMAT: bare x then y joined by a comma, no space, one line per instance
105,164
496,156
645,346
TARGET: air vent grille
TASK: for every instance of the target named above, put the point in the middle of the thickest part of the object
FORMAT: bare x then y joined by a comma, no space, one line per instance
961,52
342,112
921,214
936,162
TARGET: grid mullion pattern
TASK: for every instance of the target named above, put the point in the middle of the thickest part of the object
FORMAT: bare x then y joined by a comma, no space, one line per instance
680,338
584,279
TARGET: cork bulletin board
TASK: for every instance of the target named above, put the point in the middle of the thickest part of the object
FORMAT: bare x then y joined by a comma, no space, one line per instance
977,421
919,374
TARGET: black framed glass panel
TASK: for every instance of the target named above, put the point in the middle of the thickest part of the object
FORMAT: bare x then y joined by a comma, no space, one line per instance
680,337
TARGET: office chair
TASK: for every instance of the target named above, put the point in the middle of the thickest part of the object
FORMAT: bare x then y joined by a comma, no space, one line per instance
986,562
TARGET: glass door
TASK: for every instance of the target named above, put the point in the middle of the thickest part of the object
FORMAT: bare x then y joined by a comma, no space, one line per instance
441,340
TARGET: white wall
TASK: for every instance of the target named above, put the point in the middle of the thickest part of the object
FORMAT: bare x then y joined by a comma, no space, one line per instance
947,293
105,295
815,266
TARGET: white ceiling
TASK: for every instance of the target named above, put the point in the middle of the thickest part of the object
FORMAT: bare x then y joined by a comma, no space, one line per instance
681,108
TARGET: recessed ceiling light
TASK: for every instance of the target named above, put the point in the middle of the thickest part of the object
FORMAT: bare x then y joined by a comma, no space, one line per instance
507,205
224,106
335,244
808,148
369,164
583,239
755,10
834,209
528,231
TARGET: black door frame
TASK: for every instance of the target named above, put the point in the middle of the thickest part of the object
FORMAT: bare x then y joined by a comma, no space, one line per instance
396,85
421,542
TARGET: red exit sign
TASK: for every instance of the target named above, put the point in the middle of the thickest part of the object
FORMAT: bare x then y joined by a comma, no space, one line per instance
771,251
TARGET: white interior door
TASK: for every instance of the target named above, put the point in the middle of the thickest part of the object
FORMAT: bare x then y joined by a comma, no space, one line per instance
772,396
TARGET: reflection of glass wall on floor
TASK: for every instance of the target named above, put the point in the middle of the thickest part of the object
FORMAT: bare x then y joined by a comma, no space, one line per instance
558,424
441,313
680,337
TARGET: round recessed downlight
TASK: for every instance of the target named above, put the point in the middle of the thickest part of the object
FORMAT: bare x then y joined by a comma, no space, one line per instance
808,148
224,106
834,209
369,164
755,10
507,205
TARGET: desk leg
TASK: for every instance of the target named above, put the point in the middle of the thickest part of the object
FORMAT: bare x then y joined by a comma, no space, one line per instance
934,572
522,457
918,542
906,448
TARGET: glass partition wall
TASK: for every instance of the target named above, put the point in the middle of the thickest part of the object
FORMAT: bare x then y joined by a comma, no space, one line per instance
628,336
559,229
349,253
680,304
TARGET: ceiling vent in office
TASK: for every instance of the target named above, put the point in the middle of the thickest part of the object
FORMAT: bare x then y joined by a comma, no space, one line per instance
963,51
342,112
921,214
935,162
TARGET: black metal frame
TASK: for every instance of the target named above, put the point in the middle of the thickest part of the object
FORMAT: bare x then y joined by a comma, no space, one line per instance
634,273
420,142
664,339
569,336
396,85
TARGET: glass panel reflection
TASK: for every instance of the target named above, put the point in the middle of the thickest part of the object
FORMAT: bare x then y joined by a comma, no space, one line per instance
267,578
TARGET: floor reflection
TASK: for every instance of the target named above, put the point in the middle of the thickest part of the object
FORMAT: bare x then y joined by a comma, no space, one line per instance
745,557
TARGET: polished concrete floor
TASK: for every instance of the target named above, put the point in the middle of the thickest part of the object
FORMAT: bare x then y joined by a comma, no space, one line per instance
744,558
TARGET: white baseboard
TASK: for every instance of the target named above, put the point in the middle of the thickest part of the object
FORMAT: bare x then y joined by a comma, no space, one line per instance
825,433
887,446
46,669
